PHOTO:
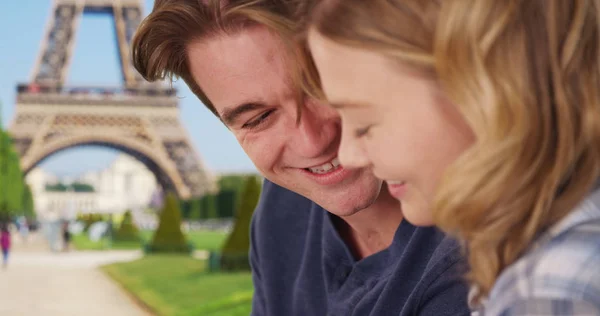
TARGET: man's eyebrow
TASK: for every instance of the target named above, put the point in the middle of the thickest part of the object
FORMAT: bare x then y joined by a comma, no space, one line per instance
230,115
343,105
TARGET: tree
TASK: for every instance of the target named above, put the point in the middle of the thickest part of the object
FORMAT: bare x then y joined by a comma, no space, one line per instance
235,251
168,237
195,209
184,206
28,206
75,187
11,178
58,187
226,203
82,187
234,183
209,206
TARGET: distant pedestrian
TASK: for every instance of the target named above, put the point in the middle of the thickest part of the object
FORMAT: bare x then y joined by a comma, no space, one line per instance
66,234
23,228
5,244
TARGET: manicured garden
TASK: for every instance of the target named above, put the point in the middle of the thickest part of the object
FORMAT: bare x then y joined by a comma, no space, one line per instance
168,280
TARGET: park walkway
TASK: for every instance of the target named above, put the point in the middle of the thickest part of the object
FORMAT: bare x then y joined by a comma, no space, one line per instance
38,282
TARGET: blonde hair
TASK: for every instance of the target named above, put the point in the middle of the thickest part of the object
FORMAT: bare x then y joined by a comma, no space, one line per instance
159,45
525,75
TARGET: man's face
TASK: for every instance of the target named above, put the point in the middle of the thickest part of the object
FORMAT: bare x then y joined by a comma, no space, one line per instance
246,77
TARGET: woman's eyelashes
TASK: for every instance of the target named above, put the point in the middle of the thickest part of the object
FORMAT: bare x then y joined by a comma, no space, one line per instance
360,132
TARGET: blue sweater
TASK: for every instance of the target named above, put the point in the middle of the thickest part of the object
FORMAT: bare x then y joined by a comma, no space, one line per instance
301,266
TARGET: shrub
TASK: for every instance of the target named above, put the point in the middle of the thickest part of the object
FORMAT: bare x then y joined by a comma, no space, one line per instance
234,255
90,218
127,231
168,237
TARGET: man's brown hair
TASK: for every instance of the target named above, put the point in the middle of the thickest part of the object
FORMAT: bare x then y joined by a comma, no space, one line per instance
159,45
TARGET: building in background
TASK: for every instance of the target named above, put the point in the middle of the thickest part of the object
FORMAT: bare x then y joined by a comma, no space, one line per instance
125,184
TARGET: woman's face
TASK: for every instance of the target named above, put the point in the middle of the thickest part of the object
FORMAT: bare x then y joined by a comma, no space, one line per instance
394,121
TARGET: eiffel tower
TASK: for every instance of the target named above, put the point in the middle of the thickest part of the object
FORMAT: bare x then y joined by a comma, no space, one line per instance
138,118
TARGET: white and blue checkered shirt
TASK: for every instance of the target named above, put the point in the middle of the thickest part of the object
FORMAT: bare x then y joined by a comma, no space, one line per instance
559,275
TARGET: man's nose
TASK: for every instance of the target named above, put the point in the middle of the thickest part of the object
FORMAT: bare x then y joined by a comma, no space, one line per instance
316,132
350,153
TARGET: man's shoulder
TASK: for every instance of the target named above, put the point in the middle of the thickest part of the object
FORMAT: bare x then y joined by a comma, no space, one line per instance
286,251
282,217
280,204
443,252
437,268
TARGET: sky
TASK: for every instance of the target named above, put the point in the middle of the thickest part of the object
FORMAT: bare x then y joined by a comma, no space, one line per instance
95,62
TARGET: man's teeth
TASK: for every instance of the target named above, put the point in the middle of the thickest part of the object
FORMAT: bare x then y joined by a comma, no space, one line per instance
394,182
326,167
336,162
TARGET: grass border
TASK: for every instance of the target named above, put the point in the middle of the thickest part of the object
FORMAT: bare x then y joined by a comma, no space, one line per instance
136,299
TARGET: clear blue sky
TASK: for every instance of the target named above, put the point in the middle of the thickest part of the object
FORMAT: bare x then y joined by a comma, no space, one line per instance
95,62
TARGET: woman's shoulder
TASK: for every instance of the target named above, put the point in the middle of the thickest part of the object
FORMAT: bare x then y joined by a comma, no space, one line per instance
565,268
570,260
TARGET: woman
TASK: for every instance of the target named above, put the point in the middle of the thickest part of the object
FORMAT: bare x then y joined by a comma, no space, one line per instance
5,242
484,118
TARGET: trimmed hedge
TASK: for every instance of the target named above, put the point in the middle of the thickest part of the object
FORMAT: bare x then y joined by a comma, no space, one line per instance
234,255
127,231
169,237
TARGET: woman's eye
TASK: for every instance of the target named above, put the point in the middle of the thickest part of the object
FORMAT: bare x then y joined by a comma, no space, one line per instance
359,132
257,121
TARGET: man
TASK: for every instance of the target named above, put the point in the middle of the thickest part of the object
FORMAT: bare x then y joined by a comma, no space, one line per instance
357,258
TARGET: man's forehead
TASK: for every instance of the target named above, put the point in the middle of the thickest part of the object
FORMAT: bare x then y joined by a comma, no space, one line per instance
235,68
256,46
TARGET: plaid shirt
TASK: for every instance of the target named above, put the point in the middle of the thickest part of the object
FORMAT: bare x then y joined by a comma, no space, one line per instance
559,275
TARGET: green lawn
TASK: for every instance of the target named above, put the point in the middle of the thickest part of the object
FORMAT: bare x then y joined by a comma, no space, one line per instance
203,240
82,242
174,285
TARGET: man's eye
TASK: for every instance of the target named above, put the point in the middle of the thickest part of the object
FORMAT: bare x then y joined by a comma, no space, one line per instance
359,132
259,120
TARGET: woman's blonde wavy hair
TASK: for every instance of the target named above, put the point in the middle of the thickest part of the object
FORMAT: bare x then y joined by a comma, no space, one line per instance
525,75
